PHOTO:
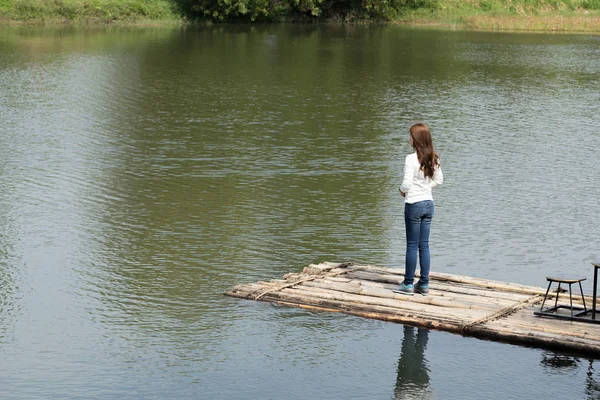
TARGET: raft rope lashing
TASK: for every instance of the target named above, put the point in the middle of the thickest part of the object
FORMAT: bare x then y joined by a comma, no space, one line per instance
501,313
306,279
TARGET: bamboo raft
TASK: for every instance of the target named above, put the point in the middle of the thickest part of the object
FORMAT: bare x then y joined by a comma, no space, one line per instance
474,307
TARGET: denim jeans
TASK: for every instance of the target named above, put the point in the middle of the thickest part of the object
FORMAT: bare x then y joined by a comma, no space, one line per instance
417,218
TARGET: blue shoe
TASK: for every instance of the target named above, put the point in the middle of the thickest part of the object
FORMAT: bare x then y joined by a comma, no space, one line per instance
407,290
422,289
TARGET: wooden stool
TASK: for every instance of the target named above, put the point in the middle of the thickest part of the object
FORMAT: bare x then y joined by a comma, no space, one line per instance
551,311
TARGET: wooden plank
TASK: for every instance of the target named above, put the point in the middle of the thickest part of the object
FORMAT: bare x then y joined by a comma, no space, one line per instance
377,312
470,306
387,293
400,302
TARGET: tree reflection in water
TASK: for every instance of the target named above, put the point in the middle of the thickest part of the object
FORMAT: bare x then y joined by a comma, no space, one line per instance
413,372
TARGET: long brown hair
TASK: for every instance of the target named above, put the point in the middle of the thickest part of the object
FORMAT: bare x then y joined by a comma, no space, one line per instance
423,145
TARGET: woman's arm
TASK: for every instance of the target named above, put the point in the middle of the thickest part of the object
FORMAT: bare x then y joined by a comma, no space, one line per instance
409,173
438,177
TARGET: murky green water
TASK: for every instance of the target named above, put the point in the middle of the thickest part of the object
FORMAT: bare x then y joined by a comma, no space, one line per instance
146,171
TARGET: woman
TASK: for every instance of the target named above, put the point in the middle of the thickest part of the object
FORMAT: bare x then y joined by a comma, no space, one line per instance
422,172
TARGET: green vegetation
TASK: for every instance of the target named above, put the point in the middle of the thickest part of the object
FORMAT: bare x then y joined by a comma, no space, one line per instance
207,10
304,10
565,15
532,15
88,10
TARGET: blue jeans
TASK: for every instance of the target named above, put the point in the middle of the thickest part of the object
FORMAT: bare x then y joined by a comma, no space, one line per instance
417,218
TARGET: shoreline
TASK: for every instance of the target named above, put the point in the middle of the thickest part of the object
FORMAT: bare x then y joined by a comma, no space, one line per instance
568,24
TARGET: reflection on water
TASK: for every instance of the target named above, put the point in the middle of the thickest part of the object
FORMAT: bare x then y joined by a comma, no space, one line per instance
413,371
145,171
592,387
558,362
565,364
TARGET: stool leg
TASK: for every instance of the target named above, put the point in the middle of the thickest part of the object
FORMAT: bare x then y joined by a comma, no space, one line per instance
582,298
545,296
557,294
571,299
594,294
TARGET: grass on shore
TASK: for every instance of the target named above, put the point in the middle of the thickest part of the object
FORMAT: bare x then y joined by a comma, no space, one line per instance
101,11
516,15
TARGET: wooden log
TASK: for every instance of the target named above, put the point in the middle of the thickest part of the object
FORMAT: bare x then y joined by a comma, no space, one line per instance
461,279
397,274
443,300
504,288
590,348
466,295
387,293
473,302
525,318
305,278
510,323
379,315
440,276
502,313
435,322
523,336
273,283
374,277
458,295
325,267
455,302
365,300
508,286
400,303
479,293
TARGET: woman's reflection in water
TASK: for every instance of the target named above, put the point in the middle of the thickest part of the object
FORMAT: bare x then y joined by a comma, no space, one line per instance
413,373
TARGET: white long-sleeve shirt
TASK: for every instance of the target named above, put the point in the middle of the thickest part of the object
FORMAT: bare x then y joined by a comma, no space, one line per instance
415,185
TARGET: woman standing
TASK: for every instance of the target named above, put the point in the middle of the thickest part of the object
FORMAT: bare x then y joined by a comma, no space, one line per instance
422,172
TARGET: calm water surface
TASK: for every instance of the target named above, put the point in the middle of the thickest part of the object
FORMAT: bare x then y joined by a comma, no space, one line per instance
146,171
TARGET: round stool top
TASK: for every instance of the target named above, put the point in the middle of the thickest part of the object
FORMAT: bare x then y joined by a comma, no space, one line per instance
564,279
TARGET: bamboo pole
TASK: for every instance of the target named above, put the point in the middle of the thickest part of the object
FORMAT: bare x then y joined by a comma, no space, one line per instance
501,313
456,301
305,295
440,276
391,313
489,300
293,279
590,348
387,293
513,335
382,316
510,323
467,302
397,302
294,282
526,318
467,295
486,295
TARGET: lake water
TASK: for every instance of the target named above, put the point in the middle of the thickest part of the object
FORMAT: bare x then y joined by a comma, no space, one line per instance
146,171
